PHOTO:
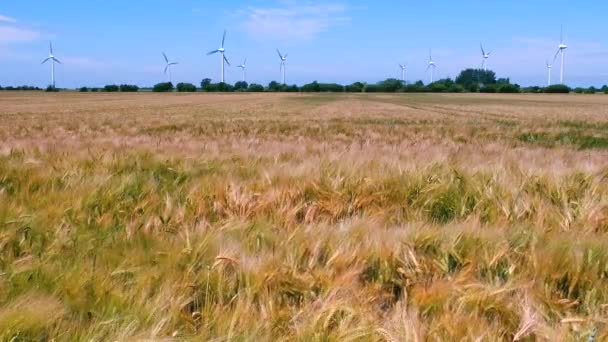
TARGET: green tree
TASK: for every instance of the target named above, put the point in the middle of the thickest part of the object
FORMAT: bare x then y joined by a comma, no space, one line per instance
356,87
163,87
313,87
557,89
241,86
256,88
111,88
469,78
205,84
185,87
274,86
390,85
128,88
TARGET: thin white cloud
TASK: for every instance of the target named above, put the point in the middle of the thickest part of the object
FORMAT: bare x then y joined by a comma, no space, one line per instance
292,21
12,34
6,19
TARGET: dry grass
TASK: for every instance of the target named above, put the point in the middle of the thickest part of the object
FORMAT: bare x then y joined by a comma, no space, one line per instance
303,217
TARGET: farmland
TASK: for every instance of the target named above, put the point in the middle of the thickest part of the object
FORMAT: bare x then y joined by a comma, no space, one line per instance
386,217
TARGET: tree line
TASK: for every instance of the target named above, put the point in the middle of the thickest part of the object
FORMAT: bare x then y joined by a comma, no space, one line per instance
469,80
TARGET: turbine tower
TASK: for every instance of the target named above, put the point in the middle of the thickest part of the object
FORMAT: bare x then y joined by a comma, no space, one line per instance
223,58
283,61
168,67
403,66
549,66
432,65
561,49
244,67
53,60
484,57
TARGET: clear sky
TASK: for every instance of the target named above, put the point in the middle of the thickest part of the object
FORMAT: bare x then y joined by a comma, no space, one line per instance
120,41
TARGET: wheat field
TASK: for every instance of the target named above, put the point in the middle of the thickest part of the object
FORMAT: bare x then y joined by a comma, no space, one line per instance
328,217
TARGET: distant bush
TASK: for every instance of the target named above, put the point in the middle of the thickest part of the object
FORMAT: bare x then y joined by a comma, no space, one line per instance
273,86
390,85
371,88
224,87
289,88
557,89
316,87
128,88
255,88
163,87
590,90
94,90
20,88
533,90
111,88
437,87
83,89
508,88
313,87
241,86
578,90
51,89
456,88
356,87
205,83
604,89
186,87
488,88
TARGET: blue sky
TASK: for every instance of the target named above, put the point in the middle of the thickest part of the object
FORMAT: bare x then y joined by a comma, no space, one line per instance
111,41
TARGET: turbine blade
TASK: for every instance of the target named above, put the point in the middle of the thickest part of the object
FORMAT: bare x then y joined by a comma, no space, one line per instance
173,63
428,67
557,53
245,62
224,38
482,50
51,47
226,59
166,59
56,60
561,34
166,68
285,56
212,52
45,60
280,56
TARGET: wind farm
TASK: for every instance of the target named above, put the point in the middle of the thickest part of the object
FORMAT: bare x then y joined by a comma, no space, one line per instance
335,178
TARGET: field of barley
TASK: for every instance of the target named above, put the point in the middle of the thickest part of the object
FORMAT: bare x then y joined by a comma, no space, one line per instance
293,217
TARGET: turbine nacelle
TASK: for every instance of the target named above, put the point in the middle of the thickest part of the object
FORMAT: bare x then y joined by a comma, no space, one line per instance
563,46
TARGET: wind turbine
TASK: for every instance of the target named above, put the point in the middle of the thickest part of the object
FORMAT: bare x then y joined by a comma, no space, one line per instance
283,61
561,49
403,66
53,60
223,58
484,57
168,67
244,67
432,65
549,66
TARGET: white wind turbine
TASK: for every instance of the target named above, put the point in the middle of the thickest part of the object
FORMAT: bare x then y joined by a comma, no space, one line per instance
53,60
168,67
549,66
561,50
403,67
283,61
223,58
484,55
432,65
244,68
